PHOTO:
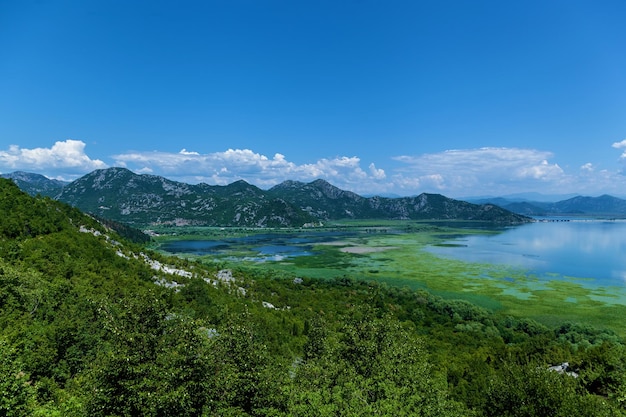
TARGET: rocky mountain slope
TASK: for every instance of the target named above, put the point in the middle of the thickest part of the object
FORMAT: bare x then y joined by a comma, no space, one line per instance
325,201
121,195
34,184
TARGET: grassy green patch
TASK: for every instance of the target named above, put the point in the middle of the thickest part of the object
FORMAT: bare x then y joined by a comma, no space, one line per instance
393,253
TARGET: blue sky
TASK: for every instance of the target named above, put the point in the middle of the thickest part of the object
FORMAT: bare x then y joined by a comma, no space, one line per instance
461,98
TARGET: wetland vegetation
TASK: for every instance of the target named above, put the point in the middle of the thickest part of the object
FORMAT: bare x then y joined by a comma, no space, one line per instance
416,255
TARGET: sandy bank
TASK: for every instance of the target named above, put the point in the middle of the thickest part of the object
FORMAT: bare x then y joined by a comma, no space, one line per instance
366,249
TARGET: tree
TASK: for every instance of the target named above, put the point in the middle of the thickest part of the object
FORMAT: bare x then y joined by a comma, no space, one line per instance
372,367
246,379
533,391
16,391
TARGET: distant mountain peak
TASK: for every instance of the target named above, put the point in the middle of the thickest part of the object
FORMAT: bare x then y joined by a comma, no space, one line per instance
121,195
34,184
286,185
332,191
320,182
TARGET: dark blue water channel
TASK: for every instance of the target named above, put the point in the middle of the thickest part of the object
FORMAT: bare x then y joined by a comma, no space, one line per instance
268,246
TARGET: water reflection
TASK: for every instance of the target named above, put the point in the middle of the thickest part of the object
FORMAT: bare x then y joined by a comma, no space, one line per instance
583,249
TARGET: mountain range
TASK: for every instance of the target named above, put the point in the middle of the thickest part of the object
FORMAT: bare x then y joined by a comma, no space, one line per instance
324,201
141,200
604,205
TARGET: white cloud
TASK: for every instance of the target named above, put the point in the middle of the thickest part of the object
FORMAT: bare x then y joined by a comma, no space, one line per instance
541,171
144,170
455,173
470,171
184,152
588,167
234,164
620,145
433,180
379,174
65,159
501,171
405,184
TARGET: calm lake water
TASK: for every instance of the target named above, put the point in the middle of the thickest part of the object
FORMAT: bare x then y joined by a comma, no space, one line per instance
577,248
590,249
268,247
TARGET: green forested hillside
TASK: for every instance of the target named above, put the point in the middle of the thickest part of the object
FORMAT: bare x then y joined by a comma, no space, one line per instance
94,325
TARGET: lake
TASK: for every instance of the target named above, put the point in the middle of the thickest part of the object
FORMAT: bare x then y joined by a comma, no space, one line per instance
547,271
263,246
561,249
593,250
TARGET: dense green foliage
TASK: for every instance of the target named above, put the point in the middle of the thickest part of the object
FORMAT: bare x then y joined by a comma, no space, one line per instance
124,230
93,325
